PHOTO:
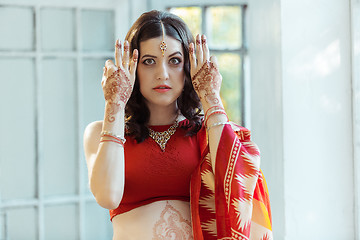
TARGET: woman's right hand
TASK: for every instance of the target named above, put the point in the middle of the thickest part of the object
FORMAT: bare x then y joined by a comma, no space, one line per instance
119,78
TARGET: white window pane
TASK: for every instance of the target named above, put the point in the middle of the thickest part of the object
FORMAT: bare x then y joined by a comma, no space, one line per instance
97,222
57,29
92,101
58,126
17,123
61,222
16,28
22,223
2,224
97,30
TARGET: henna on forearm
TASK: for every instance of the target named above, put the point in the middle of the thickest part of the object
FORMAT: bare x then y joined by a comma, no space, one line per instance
117,93
207,83
112,111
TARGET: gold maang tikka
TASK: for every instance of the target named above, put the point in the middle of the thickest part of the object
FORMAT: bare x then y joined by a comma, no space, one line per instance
163,45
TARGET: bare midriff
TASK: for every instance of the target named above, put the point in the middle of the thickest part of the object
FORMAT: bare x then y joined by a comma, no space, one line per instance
166,219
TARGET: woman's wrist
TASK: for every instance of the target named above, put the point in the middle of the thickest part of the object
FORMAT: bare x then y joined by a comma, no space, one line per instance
114,112
114,119
208,105
215,114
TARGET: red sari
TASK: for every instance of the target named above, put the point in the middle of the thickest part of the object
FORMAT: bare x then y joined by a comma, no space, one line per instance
233,203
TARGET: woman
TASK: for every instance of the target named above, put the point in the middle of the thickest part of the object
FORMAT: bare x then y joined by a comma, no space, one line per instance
141,168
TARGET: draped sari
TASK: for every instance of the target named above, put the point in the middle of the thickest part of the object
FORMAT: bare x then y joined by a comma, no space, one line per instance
233,203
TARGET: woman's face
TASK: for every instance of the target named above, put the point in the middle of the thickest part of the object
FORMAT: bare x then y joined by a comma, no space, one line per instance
161,78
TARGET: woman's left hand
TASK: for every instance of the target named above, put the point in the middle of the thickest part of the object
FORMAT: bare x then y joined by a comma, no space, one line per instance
205,75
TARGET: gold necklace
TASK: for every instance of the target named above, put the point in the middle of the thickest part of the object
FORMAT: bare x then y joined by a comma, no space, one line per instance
161,138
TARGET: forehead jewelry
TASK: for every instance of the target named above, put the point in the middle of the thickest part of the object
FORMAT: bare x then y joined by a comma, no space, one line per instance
163,45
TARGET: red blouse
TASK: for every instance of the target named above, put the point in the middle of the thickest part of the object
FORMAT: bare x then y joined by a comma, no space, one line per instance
152,175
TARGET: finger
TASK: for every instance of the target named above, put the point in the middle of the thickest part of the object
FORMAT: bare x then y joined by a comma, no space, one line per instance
103,80
192,59
109,64
104,77
199,51
118,53
125,60
205,48
133,64
104,72
110,68
213,59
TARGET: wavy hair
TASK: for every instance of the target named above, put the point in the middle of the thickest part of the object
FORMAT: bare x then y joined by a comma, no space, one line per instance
147,26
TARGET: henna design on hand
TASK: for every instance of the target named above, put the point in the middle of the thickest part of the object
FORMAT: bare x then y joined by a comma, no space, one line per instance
117,92
118,45
172,225
207,82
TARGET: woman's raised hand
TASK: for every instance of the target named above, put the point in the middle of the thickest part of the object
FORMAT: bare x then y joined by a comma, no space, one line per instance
204,72
119,78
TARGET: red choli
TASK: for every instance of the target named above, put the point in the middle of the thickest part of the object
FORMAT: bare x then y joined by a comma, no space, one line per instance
152,175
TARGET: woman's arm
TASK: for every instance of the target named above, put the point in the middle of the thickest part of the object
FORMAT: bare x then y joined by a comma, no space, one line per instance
207,82
104,141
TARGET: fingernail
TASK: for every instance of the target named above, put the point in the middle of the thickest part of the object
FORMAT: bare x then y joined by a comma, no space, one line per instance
118,44
203,39
135,57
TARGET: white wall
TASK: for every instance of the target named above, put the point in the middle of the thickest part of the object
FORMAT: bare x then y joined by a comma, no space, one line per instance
318,152
302,107
356,104
266,99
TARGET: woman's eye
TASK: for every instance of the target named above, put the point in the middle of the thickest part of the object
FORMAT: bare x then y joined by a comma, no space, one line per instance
148,61
175,61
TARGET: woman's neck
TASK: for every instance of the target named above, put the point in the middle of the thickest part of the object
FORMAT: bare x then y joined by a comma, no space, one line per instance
162,115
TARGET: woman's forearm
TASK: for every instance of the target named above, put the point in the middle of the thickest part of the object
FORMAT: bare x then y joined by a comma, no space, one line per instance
107,173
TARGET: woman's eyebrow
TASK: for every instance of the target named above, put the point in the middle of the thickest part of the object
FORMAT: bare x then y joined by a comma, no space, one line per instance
152,56
177,52
148,55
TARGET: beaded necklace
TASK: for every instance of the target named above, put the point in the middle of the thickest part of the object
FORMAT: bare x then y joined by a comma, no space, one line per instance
161,138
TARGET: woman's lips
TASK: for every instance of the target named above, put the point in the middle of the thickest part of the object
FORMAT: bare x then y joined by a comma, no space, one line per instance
162,88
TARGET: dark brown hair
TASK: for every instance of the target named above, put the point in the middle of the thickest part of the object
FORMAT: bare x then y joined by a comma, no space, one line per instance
147,26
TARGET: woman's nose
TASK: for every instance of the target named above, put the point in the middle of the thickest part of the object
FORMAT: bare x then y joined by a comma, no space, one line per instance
162,72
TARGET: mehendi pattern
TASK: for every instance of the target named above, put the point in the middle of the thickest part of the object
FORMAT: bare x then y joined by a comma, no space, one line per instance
117,92
207,82
172,225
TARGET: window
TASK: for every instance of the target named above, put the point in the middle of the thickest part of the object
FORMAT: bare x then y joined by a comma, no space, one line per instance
51,61
224,27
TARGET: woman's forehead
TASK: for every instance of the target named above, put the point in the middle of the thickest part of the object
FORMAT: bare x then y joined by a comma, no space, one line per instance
152,46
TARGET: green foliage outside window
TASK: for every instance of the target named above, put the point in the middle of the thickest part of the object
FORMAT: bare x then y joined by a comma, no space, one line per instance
224,27
191,16
230,69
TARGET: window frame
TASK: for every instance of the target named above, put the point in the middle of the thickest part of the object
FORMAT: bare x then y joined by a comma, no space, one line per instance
242,51
78,55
